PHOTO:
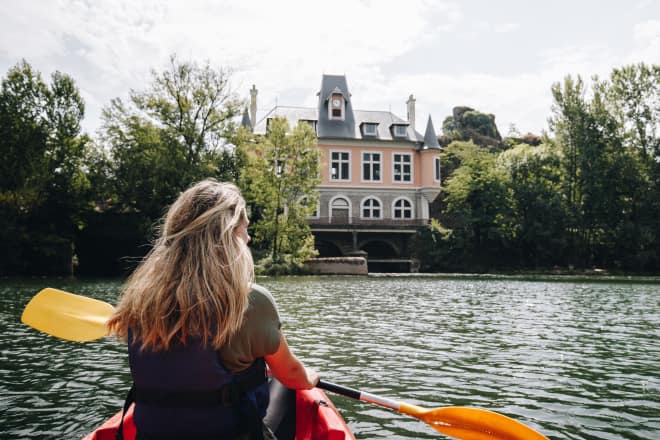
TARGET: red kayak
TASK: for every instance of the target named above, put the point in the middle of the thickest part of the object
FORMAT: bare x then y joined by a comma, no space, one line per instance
293,415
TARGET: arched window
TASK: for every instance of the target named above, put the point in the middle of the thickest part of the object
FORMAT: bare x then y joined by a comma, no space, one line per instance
371,208
402,209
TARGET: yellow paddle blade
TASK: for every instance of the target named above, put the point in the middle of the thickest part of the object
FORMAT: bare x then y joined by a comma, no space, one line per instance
472,423
67,316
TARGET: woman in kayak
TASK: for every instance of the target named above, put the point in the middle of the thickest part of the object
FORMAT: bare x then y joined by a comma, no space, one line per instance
199,332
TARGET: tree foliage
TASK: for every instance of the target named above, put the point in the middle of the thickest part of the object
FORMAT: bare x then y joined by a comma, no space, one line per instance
479,205
280,178
44,189
534,174
587,194
586,197
633,96
170,135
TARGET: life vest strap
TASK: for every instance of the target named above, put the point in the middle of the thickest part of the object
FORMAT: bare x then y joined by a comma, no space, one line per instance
228,395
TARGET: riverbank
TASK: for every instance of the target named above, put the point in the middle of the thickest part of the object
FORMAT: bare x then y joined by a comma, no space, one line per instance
532,276
514,276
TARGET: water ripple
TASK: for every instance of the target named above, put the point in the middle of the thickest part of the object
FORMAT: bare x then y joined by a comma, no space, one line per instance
574,360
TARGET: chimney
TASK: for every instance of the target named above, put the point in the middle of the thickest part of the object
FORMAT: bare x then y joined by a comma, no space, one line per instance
411,111
253,105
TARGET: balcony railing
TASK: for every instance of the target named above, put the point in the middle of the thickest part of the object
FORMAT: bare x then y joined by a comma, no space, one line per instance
374,222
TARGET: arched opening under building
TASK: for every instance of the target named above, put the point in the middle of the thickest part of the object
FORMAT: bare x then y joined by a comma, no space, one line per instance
379,249
327,249
384,257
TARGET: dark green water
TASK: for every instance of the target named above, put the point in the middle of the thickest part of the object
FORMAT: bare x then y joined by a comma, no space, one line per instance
574,359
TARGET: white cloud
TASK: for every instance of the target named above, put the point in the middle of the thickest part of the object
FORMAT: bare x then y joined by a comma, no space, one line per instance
505,28
284,47
647,42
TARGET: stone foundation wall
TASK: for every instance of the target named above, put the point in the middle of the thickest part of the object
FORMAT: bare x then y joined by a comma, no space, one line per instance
338,266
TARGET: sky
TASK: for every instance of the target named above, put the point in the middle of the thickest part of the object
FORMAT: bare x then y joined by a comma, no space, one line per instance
499,57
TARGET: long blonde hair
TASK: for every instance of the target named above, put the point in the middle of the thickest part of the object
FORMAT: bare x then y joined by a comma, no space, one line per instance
196,280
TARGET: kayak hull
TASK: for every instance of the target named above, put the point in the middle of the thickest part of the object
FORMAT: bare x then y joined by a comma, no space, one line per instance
315,418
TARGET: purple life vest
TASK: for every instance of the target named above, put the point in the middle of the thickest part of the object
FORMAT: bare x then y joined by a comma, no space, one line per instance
186,392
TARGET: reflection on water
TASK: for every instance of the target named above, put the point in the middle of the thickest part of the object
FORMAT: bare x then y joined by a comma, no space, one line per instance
575,360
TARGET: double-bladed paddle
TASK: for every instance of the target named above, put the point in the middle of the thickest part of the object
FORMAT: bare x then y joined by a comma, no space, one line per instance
454,421
78,318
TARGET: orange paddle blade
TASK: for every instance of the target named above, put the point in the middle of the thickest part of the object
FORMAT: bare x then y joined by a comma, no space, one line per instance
472,423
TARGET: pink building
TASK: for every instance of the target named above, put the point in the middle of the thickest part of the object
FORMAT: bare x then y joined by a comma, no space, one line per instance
378,175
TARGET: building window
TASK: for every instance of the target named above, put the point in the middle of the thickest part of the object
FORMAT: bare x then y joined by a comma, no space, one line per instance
400,130
436,162
371,167
371,208
402,209
402,167
369,129
279,167
340,165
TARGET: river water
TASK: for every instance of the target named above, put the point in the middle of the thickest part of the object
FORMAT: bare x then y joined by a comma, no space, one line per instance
574,359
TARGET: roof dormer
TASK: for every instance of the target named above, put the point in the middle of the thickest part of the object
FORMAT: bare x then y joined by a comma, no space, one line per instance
399,131
369,129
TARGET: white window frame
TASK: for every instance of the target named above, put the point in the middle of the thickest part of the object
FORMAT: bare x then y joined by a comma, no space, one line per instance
381,208
436,169
362,163
404,129
412,176
348,200
330,178
394,208
369,125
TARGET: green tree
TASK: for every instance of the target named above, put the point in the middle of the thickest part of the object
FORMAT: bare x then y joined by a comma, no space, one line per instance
68,155
633,94
23,131
577,134
43,183
478,207
535,179
281,176
602,178
174,133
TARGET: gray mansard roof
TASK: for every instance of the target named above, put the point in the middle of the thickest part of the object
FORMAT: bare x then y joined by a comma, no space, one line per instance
351,127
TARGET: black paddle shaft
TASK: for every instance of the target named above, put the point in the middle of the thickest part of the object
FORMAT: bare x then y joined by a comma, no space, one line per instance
338,389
